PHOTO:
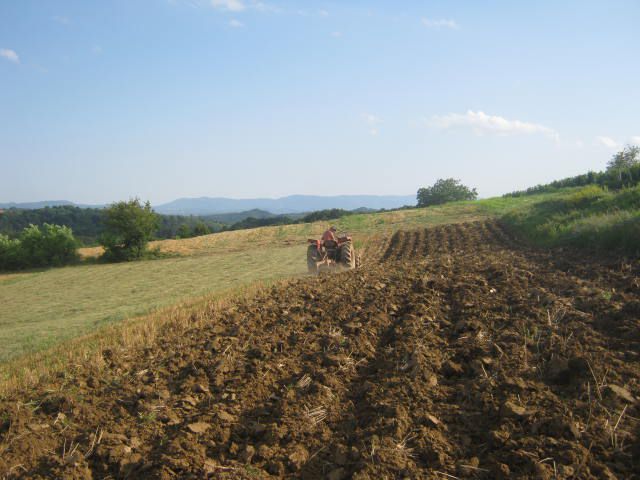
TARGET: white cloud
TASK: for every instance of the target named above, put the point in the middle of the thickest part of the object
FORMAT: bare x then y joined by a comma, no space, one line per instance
336,34
323,13
440,23
606,142
481,123
10,55
96,49
635,140
231,5
372,122
236,24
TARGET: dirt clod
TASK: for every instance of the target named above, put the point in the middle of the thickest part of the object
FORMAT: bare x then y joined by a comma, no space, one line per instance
198,427
510,409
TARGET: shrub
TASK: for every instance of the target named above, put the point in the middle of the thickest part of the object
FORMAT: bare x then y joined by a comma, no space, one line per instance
585,196
53,245
128,228
10,254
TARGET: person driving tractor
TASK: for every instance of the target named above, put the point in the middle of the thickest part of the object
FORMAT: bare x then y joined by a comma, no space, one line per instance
330,235
331,251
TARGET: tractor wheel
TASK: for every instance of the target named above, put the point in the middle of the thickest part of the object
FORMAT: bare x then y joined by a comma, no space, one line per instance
358,260
347,255
312,258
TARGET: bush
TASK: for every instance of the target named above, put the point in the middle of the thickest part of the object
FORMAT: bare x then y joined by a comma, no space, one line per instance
445,191
584,197
53,245
10,254
128,227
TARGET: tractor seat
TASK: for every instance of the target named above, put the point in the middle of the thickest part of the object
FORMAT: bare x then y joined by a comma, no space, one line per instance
330,244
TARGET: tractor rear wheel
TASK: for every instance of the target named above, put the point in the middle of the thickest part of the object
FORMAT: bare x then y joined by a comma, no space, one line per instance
347,255
312,259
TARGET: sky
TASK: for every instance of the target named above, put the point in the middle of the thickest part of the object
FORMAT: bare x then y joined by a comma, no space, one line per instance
161,99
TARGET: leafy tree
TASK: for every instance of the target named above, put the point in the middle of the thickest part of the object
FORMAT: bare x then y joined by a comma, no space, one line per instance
128,227
443,191
201,228
183,231
10,253
49,245
622,162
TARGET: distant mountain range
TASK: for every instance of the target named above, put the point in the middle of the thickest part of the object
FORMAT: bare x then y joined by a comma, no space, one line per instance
290,204
220,205
46,203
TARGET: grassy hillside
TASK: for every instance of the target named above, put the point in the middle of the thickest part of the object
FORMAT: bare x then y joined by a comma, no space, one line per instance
44,308
587,217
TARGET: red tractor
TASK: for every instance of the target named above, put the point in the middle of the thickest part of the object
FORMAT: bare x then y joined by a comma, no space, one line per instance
328,254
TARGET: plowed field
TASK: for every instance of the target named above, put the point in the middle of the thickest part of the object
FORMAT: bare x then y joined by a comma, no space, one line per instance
455,352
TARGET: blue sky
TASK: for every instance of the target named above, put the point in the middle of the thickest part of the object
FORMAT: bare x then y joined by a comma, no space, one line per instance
101,101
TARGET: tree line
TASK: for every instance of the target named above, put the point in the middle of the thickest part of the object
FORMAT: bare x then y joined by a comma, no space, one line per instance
123,229
623,171
127,227
87,223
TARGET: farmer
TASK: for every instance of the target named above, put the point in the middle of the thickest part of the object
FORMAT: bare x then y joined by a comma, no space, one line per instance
329,235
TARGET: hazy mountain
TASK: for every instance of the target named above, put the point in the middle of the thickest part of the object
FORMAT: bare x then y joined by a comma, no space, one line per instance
290,204
46,203
238,216
33,205
262,206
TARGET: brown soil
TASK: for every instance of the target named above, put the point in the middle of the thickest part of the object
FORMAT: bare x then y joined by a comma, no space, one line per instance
460,354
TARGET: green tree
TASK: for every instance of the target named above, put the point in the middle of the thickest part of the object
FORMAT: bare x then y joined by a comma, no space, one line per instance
622,162
183,231
128,227
443,191
51,245
201,228
10,254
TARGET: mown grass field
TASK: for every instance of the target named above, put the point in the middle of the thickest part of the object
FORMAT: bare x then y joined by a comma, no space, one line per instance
40,310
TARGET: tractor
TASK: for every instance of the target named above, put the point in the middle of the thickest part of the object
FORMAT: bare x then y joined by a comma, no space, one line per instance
325,255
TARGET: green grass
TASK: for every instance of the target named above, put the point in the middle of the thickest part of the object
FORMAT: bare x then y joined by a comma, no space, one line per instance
584,217
39,310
